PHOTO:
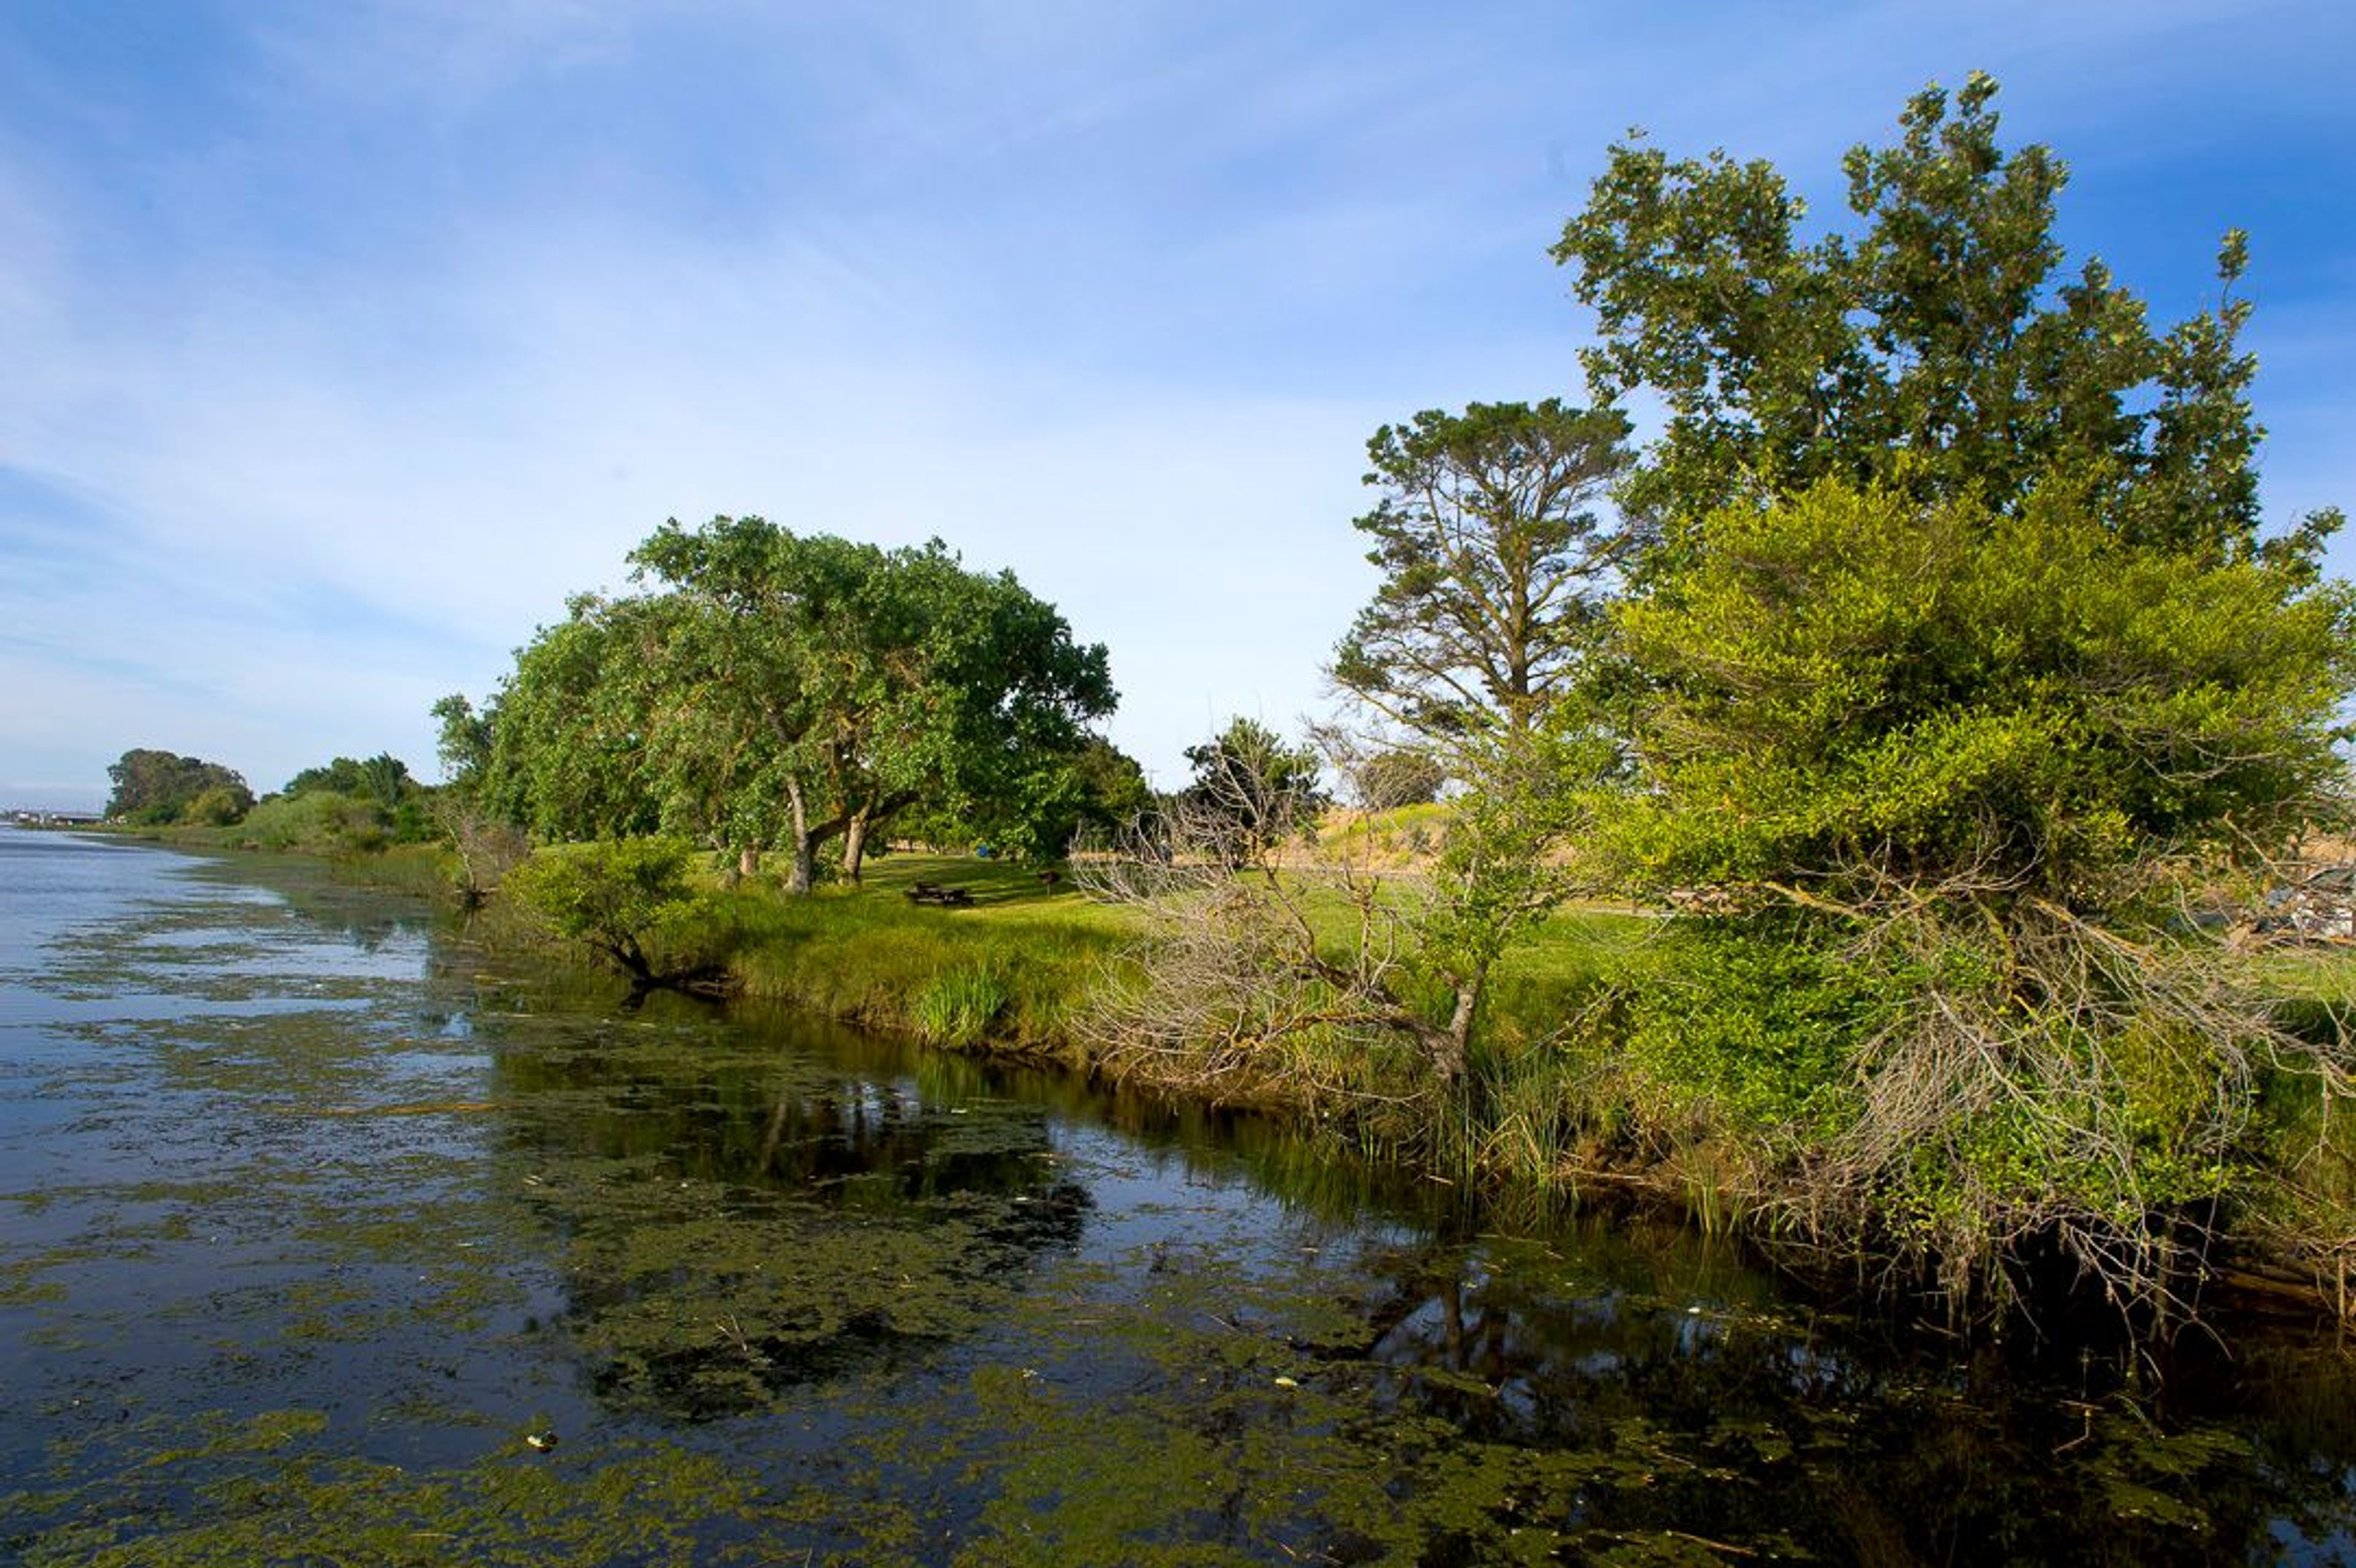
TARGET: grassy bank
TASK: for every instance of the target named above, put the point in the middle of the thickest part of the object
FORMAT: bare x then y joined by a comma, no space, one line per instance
1011,971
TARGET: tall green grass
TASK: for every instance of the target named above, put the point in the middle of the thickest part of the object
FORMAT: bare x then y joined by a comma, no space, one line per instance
1013,971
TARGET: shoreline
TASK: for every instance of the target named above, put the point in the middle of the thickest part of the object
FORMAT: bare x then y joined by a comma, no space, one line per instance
1009,979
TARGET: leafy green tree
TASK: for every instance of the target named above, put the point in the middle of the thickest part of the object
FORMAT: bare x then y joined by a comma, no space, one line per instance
1494,561
382,779
867,681
1945,774
341,775
153,788
1096,791
567,755
1939,350
771,689
463,743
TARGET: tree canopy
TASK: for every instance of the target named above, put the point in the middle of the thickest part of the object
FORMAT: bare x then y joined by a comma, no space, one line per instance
1940,350
152,788
383,779
1494,560
774,689
1863,699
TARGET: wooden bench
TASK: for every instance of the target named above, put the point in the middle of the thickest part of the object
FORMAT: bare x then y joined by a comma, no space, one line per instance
939,897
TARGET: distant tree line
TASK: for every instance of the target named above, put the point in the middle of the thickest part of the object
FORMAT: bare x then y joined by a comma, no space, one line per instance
343,804
153,788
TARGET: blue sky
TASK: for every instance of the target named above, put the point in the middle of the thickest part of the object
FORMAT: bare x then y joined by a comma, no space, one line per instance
343,342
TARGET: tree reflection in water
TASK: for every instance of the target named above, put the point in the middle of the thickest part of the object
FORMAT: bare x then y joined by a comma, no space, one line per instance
735,1226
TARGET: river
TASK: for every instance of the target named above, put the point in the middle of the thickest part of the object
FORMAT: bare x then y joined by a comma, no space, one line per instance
325,1238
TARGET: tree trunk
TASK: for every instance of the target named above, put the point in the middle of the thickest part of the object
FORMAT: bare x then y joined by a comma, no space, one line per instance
855,845
748,861
1452,1048
805,873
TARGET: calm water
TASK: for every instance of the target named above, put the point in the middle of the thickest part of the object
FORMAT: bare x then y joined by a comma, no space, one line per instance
309,1214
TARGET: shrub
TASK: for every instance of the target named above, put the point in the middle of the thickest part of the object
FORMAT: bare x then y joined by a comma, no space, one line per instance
614,895
319,822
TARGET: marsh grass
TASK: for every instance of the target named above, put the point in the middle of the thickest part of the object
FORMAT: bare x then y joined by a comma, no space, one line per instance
1010,971
958,1008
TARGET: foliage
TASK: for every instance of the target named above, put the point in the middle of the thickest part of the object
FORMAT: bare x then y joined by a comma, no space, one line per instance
153,788
1064,795
1934,352
1494,562
1954,769
1250,791
567,756
220,805
463,743
616,896
1962,669
1854,689
316,821
382,785
1392,776
383,778
783,689
877,680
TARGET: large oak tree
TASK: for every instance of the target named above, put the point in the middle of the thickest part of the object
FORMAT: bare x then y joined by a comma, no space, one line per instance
778,690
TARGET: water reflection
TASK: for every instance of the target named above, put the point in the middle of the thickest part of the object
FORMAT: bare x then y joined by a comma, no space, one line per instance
736,1219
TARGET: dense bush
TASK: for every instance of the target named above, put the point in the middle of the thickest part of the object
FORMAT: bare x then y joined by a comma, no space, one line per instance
617,896
1931,783
317,821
